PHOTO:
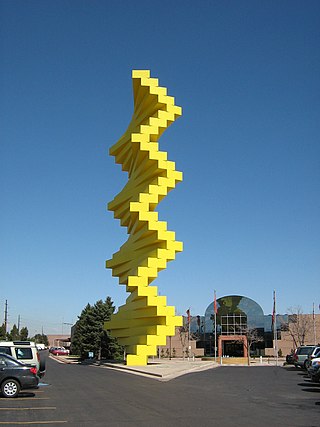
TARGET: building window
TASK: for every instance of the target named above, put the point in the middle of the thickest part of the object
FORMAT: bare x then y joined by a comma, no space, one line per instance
233,324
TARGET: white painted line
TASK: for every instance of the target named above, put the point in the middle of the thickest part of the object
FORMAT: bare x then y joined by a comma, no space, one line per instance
28,409
24,423
31,398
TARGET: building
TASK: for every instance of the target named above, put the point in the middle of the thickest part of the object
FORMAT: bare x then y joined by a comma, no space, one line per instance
59,341
242,328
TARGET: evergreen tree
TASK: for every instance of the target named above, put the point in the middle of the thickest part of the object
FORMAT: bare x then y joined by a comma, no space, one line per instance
2,332
41,339
24,333
90,335
14,334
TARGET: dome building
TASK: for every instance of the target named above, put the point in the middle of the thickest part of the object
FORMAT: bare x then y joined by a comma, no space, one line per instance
241,326
241,329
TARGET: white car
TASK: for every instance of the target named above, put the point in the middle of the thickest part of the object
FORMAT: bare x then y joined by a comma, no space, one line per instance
26,352
40,346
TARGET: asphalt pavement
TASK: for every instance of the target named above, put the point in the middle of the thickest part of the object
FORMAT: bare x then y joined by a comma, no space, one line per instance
93,395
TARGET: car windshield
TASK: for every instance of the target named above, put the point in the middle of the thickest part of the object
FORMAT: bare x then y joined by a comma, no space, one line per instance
306,350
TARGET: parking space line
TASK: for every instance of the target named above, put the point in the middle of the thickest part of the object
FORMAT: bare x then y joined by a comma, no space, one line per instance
28,409
31,398
24,423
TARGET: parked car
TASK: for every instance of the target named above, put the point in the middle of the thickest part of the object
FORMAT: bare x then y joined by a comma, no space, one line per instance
290,358
16,376
59,351
26,352
41,347
314,369
315,353
301,355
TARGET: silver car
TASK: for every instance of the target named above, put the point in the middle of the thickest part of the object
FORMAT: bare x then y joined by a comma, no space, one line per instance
301,355
314,369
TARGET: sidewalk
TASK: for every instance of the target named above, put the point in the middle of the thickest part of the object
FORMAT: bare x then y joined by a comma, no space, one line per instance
161,369
165,369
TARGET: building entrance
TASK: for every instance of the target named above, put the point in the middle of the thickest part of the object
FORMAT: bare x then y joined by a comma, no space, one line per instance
233,345
233,349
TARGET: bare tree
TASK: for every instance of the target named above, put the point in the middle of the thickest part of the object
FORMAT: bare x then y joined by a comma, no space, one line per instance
253,337
299,325
183,334
185,338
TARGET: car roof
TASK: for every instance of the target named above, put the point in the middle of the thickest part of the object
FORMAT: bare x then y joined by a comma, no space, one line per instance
13,343
308,345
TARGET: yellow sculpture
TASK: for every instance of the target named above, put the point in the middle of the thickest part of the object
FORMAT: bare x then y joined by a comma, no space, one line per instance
145,321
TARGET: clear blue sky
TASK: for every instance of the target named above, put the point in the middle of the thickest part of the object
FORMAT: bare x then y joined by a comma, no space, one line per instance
247,75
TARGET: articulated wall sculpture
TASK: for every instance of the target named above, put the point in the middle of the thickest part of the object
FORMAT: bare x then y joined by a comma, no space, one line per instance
145,320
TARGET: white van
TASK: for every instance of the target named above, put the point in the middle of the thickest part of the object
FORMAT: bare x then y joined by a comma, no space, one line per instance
26,352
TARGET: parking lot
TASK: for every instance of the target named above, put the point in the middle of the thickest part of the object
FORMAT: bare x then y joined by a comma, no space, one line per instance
84,395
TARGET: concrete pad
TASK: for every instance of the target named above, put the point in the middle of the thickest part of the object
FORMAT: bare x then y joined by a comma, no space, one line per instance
160,369
165,370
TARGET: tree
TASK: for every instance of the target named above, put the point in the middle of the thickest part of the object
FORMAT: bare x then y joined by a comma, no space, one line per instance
24,333
183,335
2,332
14,334
41,339
253,337
299,325
90,335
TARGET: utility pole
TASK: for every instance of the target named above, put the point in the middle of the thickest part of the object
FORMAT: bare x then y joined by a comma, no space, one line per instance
5,316
19,323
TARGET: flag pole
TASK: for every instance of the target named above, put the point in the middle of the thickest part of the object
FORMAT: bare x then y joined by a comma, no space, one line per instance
189,321
215,326
275,335
314,325
189,336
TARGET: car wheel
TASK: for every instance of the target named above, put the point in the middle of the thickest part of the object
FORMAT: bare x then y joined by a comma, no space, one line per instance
10,388
306,364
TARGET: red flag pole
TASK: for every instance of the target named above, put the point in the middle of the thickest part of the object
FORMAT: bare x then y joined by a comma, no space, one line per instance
215,325
189,321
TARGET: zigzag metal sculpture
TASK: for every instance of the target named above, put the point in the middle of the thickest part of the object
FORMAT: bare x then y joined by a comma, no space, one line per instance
145,320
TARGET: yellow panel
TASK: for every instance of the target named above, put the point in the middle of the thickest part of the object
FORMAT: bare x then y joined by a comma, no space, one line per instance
145,321
134,360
